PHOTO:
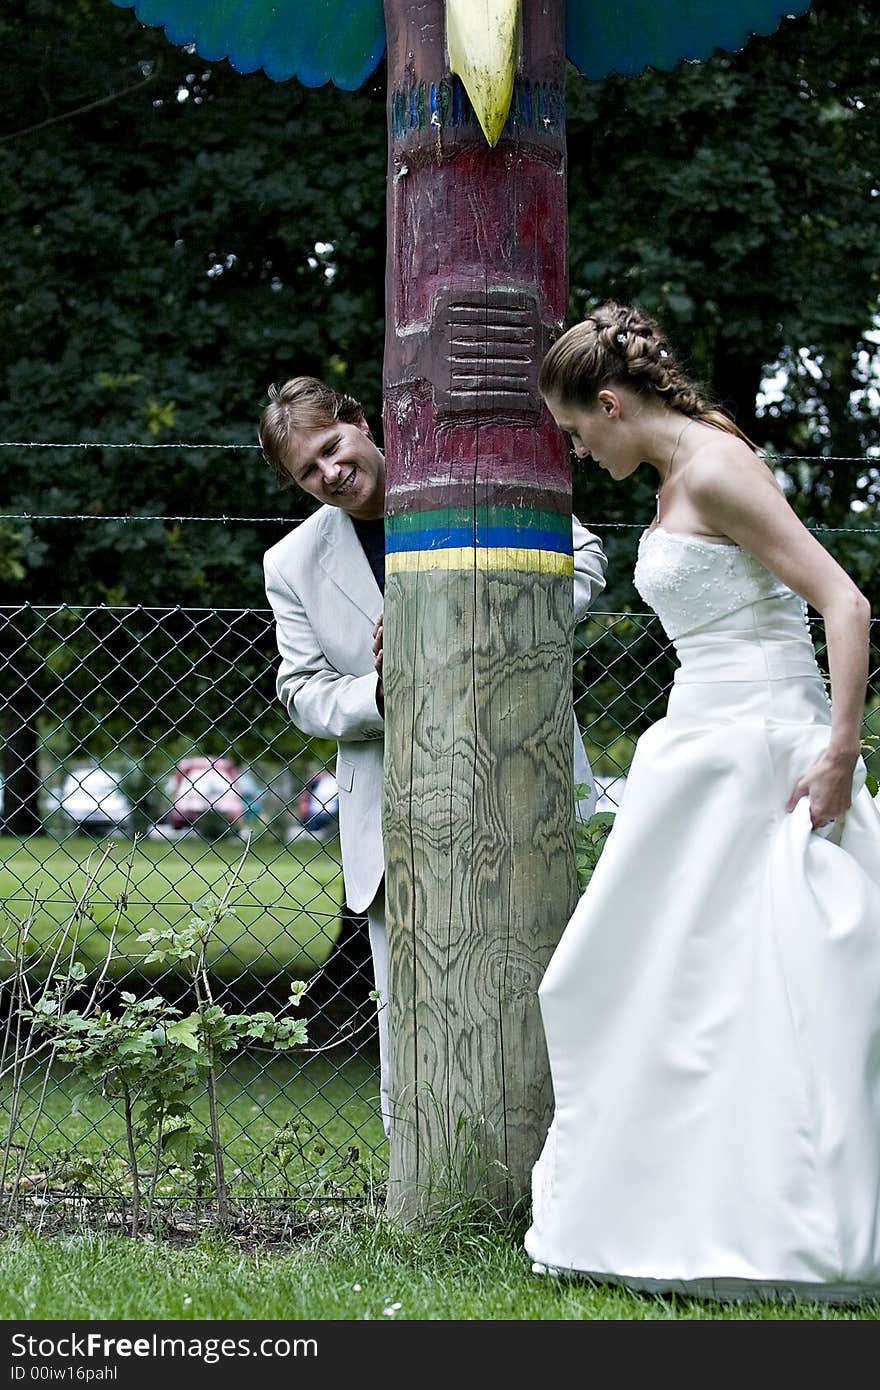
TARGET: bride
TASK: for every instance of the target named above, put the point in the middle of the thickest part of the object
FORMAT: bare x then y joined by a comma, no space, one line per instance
712,1011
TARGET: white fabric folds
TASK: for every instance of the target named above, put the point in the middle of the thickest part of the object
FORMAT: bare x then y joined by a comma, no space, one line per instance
712,1011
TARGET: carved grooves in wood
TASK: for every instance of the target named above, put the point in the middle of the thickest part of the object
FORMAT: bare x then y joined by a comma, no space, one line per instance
492,352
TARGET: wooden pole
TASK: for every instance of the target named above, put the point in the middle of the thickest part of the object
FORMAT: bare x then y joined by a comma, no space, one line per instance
478,806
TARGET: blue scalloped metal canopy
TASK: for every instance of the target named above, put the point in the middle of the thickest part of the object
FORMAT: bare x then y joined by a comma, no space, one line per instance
627,36
342,41
316,41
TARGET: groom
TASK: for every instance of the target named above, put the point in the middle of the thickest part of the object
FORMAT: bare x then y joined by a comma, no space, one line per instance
325,581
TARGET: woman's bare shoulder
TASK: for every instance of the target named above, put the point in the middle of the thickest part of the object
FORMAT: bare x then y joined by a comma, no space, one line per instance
722,464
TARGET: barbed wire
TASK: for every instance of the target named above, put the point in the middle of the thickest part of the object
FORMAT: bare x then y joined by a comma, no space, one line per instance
276,520
105,444
255,448
289,520
126,518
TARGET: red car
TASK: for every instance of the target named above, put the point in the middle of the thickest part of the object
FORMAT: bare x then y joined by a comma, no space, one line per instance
200,785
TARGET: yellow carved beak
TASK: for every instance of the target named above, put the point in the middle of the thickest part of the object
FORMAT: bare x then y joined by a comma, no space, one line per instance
482,39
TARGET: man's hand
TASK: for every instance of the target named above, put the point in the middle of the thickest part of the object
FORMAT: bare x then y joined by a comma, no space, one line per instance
377,651
377,644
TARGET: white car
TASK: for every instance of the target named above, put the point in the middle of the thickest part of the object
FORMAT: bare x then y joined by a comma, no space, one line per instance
91,797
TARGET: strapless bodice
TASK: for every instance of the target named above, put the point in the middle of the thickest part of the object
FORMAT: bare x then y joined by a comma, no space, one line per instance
692,583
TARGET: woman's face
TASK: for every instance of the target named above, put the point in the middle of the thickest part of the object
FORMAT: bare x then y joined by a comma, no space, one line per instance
601,432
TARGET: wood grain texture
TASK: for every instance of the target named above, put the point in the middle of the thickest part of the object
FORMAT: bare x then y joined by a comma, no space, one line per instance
478,825
478,812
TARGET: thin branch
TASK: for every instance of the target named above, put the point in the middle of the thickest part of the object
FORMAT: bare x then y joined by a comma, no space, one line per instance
80,110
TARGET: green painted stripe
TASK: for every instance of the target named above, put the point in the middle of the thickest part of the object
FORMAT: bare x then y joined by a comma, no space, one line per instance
450,518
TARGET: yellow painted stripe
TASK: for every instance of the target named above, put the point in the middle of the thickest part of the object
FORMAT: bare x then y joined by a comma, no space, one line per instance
482,558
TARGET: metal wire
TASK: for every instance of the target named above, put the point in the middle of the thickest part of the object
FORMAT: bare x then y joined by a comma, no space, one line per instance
287,520
132,691
867,459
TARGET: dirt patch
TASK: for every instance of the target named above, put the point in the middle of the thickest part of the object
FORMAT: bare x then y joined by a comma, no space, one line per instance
272,1229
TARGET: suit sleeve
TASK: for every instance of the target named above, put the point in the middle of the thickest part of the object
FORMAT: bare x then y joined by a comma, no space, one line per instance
320,700
590,564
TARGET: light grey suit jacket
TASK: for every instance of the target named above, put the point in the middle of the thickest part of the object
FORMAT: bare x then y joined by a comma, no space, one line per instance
326,602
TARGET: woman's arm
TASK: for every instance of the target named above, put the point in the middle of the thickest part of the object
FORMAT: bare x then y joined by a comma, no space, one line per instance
737,496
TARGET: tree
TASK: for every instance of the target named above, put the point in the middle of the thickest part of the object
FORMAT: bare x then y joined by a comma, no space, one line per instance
178,235
156,215
162,225
738,200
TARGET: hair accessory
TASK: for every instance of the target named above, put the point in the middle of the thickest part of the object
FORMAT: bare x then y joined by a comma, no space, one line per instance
621,338
664,352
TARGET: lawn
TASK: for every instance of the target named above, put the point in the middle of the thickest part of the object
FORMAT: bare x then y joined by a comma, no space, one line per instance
304,1121
337,1264
300,1123
313,1257
287,903
302,1141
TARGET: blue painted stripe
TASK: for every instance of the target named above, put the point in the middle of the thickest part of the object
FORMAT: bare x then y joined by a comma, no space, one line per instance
496,537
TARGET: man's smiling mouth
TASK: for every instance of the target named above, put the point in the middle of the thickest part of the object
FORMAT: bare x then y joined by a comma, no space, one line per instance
345,485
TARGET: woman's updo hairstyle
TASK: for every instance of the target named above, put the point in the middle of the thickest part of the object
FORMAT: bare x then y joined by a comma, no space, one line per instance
620,345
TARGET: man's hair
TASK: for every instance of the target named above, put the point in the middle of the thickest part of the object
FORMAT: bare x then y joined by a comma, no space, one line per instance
303,403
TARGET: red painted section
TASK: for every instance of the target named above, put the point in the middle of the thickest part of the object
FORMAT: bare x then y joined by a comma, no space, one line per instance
547,497
484,452
477,278
485,217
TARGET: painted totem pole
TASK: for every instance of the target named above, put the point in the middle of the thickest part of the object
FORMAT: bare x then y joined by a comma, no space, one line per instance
478,816
478,808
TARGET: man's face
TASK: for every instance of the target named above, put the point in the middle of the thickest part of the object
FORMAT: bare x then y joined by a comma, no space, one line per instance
340,465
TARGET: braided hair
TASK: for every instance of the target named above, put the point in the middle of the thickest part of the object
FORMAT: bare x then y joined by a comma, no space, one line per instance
304,402
620,345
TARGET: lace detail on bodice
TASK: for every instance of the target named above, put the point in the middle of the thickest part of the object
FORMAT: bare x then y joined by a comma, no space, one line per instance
690,582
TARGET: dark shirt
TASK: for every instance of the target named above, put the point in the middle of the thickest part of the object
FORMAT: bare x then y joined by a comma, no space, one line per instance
371,535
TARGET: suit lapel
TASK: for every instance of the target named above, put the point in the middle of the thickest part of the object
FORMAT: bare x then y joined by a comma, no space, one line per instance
342,557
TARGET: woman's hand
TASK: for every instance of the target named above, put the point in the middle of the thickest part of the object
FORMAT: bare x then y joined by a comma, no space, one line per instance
828,787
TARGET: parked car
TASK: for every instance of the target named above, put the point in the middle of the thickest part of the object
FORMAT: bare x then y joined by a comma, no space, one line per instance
317,805
92,798
203,787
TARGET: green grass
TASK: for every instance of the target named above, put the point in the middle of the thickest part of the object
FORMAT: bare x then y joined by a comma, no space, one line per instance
308,1259
352,1264
287,905
288,1124
283,1121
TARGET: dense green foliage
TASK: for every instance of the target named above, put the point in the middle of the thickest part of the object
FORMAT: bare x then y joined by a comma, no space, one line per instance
737,199
160,217
178,235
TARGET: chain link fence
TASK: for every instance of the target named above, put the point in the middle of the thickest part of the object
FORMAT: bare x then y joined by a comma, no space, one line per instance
149,770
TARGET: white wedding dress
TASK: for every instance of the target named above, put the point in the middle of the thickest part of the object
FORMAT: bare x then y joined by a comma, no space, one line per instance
712,1010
